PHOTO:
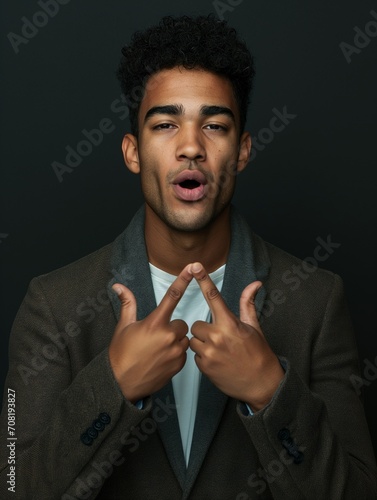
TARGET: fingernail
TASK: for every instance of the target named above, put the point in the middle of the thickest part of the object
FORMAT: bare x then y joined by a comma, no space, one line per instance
117,290
196,267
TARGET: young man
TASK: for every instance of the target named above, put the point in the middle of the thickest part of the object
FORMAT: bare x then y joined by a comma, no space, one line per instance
175,385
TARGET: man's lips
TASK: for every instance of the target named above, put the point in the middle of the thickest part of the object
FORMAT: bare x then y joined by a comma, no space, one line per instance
190,175
190,185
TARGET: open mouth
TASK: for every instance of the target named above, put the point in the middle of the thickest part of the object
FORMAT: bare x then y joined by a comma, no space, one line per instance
190,185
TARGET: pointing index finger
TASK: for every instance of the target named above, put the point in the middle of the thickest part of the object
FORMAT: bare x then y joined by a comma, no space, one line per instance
210,291
174,293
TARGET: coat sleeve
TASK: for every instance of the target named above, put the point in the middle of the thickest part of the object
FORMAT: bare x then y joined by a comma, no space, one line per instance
70,432
312,439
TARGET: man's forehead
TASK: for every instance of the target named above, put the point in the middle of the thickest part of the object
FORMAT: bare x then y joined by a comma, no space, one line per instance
190,89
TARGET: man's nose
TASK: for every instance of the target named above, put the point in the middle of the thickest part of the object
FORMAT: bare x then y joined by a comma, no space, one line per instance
190,144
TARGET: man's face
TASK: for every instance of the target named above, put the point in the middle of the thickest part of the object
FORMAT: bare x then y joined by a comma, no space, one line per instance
189,149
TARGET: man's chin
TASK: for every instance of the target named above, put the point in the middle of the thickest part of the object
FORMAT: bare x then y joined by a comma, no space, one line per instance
188,226
183,219
187,222
187,218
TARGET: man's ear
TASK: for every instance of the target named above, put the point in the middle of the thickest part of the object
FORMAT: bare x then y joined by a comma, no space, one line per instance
244,151
131,153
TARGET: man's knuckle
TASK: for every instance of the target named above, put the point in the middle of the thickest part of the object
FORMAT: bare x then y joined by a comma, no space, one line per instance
213,293
210,354
215,338
203,277
177,351
169,339
125,301
184,279
174,293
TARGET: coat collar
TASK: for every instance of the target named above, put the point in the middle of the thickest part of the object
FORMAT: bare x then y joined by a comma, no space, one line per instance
248,261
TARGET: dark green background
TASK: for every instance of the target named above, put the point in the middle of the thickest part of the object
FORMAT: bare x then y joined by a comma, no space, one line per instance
317,177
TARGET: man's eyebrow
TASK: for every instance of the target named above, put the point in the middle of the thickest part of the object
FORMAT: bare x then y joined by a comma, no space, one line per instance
217,110
170,109
177,109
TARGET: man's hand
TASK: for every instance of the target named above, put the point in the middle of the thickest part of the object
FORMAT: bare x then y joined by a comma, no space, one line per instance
144,355
232,352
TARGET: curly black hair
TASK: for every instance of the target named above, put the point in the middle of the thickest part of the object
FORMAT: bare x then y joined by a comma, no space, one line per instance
191,42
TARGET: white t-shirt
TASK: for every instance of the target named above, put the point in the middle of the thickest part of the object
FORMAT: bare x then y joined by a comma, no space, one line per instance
191,307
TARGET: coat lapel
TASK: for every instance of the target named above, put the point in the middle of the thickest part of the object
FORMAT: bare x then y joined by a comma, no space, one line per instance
171,436
129,266
248,261
245,264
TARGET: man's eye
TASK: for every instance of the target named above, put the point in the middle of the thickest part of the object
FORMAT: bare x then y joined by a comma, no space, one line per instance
163,126
215,126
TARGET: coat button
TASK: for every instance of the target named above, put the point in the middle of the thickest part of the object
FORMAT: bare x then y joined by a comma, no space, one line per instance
284,434
98,425
86,439
104,418
298,457
92,433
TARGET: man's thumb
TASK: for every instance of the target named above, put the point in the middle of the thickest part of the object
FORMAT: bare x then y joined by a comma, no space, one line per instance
248,313
128,305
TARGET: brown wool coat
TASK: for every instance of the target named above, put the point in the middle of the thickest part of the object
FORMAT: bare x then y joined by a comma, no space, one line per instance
310,442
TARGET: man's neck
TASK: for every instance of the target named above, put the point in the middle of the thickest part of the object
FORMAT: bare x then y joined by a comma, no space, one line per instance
172,250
